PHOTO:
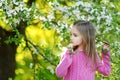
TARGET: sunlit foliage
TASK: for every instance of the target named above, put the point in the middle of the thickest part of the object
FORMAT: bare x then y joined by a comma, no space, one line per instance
47,32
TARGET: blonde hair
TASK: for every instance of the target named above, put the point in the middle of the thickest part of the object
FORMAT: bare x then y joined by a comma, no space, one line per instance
87,31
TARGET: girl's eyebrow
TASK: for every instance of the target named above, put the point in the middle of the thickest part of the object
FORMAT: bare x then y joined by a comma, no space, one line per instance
74,33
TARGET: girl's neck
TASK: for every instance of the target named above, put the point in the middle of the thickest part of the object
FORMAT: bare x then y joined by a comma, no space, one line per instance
80,49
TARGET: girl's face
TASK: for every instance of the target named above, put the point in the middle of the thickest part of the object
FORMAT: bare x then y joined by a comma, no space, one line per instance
76,38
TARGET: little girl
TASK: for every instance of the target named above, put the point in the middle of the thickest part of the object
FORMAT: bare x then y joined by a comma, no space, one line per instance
83,61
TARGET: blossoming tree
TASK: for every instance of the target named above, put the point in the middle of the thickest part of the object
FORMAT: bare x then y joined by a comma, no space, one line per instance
53,17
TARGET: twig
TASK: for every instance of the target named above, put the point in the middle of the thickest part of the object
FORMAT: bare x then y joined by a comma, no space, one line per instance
48,60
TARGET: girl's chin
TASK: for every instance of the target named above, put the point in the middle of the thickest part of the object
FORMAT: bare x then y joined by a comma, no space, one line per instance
74,45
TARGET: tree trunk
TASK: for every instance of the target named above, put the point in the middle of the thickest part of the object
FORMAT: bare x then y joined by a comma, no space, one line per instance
8,51
7,61
7,57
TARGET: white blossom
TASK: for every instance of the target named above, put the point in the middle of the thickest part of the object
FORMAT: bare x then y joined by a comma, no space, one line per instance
14,2
42,18
103,14
63,9
108,19
10,12
104,8
105,1
36,16
17,9
97,29
117,30
118,13
2,0
87,5
14,12
91,17
112,5
31,65
107,29
61,38
16,21
93,10
35,51
87,9
51,69
50,16
21,6
79,3
98,19
0,4
116,45
76,12
58,30
55,4
28,16
59,23
83,17
66,15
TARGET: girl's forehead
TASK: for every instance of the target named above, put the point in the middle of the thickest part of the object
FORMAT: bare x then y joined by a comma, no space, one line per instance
74,29
71,27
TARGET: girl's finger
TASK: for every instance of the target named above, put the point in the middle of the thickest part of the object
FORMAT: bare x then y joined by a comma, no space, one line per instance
106,43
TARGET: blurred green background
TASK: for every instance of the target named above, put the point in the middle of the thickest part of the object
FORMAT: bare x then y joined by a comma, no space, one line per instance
34,33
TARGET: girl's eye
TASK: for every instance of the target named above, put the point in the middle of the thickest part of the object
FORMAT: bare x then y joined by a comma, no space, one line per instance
75,35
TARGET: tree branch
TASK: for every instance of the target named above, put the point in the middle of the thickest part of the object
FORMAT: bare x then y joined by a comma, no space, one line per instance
36,47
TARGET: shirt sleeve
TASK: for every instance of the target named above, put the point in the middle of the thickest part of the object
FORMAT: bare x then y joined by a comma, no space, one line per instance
65,62
104,66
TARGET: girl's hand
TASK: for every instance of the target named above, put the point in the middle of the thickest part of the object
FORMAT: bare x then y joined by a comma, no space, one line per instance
105,48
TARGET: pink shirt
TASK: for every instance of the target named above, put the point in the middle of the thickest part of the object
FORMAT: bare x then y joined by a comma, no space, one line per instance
78,67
